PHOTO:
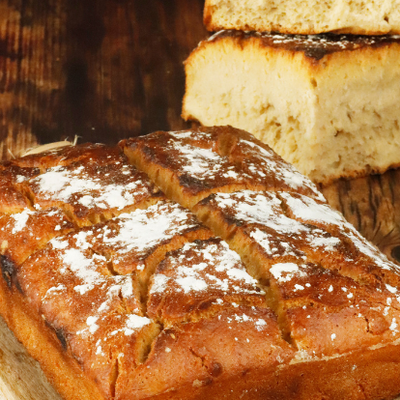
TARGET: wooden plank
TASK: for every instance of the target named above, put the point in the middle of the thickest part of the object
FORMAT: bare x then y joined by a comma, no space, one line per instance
372,205
20,376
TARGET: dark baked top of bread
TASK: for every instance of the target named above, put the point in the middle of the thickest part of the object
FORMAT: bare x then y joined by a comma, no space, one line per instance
252,271
198,163
313,46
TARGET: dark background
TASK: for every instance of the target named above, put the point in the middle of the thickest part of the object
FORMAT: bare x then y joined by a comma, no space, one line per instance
100,69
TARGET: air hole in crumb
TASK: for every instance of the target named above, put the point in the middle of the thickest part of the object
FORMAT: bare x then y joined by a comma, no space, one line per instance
396,253
314,82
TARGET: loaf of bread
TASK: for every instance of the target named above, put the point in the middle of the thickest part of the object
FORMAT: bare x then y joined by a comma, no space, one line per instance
358,17
327,104
192,265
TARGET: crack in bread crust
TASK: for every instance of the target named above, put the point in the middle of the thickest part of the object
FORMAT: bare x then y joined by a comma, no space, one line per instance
148,287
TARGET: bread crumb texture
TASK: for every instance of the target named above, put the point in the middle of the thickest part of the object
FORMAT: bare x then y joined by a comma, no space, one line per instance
360,17
328,104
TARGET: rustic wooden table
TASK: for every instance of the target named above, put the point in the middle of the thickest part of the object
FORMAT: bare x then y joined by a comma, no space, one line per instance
100,69
109,69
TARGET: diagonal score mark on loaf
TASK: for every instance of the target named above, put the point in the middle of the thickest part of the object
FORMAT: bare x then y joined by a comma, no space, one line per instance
133,244
310,274
46,195
88,261
96,312
67,180
40,198
23,229
189,166
92,192
82,266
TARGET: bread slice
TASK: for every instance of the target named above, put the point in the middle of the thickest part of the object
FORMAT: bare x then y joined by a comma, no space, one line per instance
328,104
290,16
278,298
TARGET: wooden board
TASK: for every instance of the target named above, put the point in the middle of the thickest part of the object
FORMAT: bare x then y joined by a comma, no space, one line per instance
372,205
109,69
20,376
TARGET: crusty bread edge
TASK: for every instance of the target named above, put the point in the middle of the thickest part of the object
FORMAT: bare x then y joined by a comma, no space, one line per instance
317,67
41,341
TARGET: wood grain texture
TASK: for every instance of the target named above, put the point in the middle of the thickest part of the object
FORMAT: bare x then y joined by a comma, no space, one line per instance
109,69
100,69
372,205
20,376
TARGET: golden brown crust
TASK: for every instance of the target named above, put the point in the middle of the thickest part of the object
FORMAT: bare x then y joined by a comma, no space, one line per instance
328,314
149,303
90,193
189,166
186,168
210,353
44,345
24,233
314,47
86,152
218,268
365,374
12,196
145,236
